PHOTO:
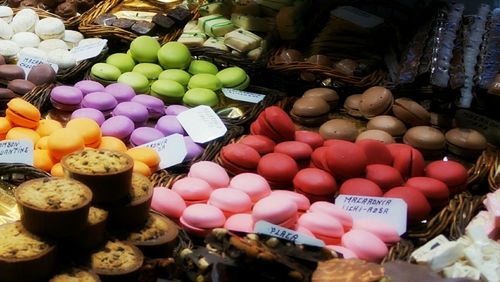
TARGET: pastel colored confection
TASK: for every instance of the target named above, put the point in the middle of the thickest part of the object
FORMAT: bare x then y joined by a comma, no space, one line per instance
410,112
121,91
376,152
193,149
200,96
57,170
418,205
253,184
144,49
192,189
386,177
180,76
318,159
300,200
42,160
21,113
341,129
50,27
346,159
169,125
90,113
124,62
66,98
200,219
168,90
64,141
310,111
275,121
20,86
105,72
47,126
260,143
174,55
42,144
205,80
232,77
137,81
143,135
201,66
360,187
434,190
19,133
452,173
377,135
146,155
141,168
324,227
101,101
345,252
242,40
278,175
154,105
149,70
365,245
167,202
211,172
311,138
230,201
174,110
492,204
351,105
112,143
215,25
277,210
315,182
297,150
239,158
5,126
89,86
138,113
407,160
384,231
25,20
120,127
88,129
334,211
64,59
240,222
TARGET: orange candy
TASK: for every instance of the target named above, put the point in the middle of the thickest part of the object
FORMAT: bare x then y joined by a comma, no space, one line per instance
18,133
64,141
47,126
141,168
21,113
43,160
5,126
89,129
43,143
112,143
57,170
146,155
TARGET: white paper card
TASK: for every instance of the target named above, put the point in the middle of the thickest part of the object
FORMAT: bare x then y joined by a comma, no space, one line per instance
27,63
90,50
390,210
16,151
264,227
202,124
172,149
244,96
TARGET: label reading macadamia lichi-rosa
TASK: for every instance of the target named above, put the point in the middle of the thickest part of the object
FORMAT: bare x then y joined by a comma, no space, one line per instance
391,210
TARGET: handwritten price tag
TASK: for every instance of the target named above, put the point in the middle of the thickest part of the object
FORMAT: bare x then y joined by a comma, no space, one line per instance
266,228
202,124
16,151
172,150
244,96
390,210
27,63
90,50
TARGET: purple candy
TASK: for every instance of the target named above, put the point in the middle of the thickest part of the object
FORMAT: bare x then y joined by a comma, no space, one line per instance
120,127
174,110
66,95
154,105
101,101
89,86
136,112
143,135
169,125
90,113
121,91
193,149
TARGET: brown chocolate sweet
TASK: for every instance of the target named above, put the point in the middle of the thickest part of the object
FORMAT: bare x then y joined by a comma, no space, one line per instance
84,5
143,27
411,112
346,66
5,96
11,72
342,129
321,60
50,3
351,105
2,60
348,270
21,86
164,22
180,15
66,10
106,19
29,3
290,55
123,23
42,74
327,94
14,3
375,101
310,111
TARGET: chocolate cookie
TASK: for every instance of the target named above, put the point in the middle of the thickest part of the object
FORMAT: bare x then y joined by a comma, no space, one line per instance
347,270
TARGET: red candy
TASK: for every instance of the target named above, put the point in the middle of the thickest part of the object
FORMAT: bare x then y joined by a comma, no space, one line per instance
360,187
315,182
434,190
313,139
279,169
318,159
261,143
239,158
418,206
385,176
451,173
274,123
297,150
345,159
376,152
407,160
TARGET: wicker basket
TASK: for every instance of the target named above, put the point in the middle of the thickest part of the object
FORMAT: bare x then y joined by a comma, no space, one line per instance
90,29
493,175
40,96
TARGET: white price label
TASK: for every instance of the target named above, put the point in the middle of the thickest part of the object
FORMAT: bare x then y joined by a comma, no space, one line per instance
266,228
27,63
390,210
172,149
202,124
244,96
16,151
90,50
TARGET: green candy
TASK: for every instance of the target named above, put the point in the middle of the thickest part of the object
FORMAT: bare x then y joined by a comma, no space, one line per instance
205,80
144,49
122,61
105,71
200,96
200,66
180,76
232,77
174,55
149,70
169,91
243,85
137,81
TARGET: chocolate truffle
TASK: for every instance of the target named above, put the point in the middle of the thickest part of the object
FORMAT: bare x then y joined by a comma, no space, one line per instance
106,19
66,10
143,27
84,5
180,15
123,23
164,22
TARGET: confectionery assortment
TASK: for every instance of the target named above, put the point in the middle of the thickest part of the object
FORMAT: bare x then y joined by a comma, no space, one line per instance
310,144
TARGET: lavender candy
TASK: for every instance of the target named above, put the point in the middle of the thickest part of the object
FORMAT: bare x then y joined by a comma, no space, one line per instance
89,86
155,106
143,135
120,127
134,111
193,149
121,91
174,110
90,113
169,125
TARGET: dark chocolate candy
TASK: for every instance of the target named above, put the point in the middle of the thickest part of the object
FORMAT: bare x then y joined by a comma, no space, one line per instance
50,3
164,22
106,19
66,10
123,23
29,3
84,5
42,74
11,72
143,27
180,15
20,86
14,3
5,96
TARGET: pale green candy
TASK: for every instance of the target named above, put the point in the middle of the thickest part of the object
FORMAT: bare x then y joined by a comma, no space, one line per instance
200,96
144,49
232,77
105,71
122,61
137,81
200,66
243,85
169,91
180,76
149,70
205,80
174,55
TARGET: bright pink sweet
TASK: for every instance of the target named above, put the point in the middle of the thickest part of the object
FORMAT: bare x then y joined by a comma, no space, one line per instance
379,228
192,189
302,201
365,245
277,210
345,252
211,172
201,218
253,184
230,201
323,226
167,202
240,222
334,211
